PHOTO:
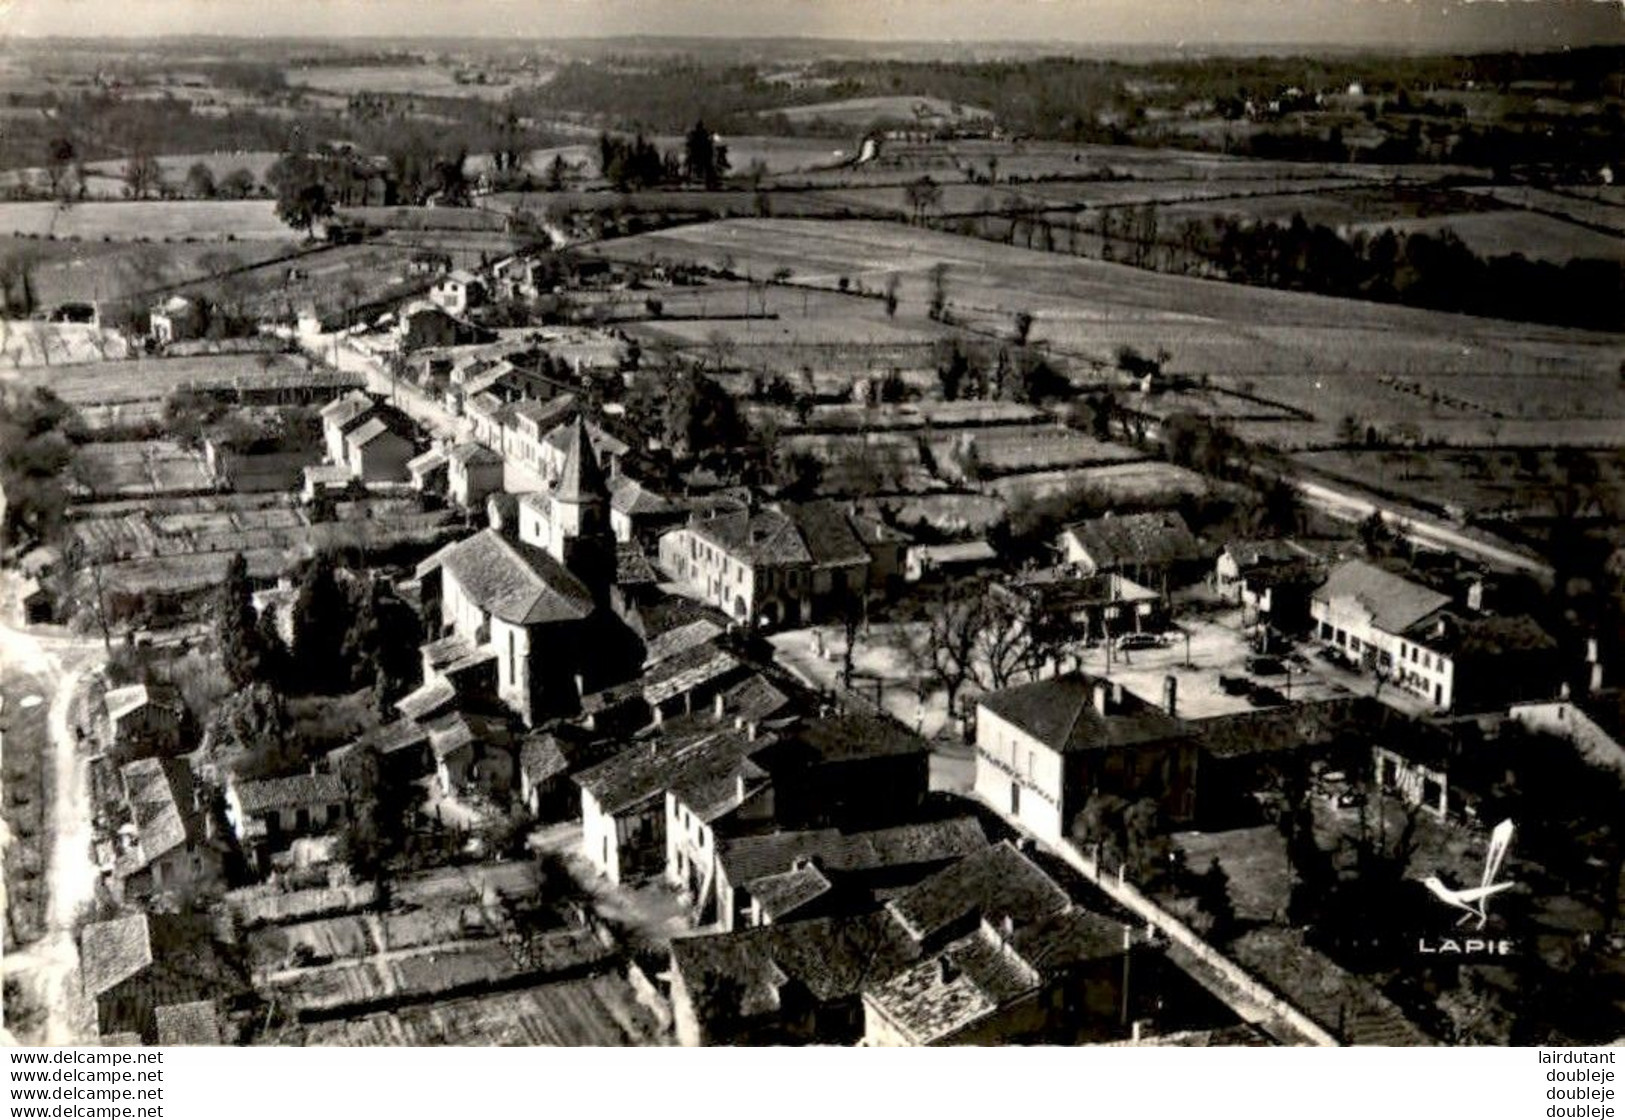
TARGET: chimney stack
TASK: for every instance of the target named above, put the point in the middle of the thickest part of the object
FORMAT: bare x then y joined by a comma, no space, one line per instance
1102,692
718,708
751,730
1170,694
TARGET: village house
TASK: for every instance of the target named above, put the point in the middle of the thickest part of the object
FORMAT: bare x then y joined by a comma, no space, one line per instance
526,426
788,565
163,847
1058,609
144,719
134,964
267,813
947,561
766,877
472,753
426,324
623,800
378,449
1042,749
458,292
1153,549
848,770
176,319
639,513
1412,636
1272,580
340,418
474,473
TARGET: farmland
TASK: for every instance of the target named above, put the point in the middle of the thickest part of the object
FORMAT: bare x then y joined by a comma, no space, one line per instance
415,80
206,220
1310,353
861,112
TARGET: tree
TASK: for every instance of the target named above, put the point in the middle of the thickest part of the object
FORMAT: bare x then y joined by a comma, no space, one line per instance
200,181
142,175
237,184
61,161
921,195
1023,326
37,432
704,160
939,291
237,626
322,616
302,198
249,733
942,653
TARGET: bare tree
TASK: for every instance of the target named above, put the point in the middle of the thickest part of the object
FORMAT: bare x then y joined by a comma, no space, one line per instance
943,652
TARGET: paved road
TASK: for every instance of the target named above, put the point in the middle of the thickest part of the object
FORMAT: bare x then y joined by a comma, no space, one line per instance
1423,529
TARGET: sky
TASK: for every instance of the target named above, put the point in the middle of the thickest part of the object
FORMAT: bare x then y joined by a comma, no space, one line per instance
1421,24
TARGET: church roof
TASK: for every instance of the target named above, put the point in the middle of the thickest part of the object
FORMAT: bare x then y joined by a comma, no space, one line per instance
582,480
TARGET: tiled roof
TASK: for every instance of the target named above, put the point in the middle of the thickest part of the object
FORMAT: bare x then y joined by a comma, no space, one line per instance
746,859
431,460
1060,713
1271,551
122,701
850,737
995,883
680,639
544,414
964,983
450,735
188,1024
516,582
650,769
827,533
833,958
428,698
401,735
755,697
1492,636
1394,603
346,408
781,895
629,496
113,951
542,757
299,789
684,672
1264,731
374,429
761,538
473,453
1118,541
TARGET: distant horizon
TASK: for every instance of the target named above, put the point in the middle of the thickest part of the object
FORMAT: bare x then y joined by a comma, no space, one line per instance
1066,25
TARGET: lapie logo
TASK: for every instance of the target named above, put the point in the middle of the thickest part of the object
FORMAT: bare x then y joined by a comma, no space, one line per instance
1474,901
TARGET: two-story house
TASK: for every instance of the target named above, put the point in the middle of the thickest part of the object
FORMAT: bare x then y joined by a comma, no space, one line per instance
1042,749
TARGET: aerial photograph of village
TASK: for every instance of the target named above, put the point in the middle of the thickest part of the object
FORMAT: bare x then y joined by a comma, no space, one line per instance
778,535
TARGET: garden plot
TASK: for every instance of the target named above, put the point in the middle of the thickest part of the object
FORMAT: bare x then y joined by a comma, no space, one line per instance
600,1011
139,467
1147,485
994,452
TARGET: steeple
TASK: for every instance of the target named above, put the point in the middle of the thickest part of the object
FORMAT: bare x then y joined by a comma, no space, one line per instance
582,479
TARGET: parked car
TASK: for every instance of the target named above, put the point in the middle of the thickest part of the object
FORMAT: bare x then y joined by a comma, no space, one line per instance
1265,666
1265,697
1234,686
1141,641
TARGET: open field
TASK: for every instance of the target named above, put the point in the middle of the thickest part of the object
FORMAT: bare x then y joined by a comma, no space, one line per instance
412,80
1314,353
36,345
1523,482
252,219
153,379
1147,485
861,111
66,271
1537,236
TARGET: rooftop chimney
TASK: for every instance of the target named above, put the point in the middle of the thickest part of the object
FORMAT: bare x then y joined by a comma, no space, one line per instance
947,970
751,730
1170,694
1102,697
718,708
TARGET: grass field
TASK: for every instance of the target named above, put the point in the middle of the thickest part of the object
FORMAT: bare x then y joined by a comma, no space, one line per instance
861,111
421,81
250,220
1537,236
1315,353
104,179
63,271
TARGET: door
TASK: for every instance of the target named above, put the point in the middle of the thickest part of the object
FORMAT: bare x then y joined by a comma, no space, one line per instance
1015,800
